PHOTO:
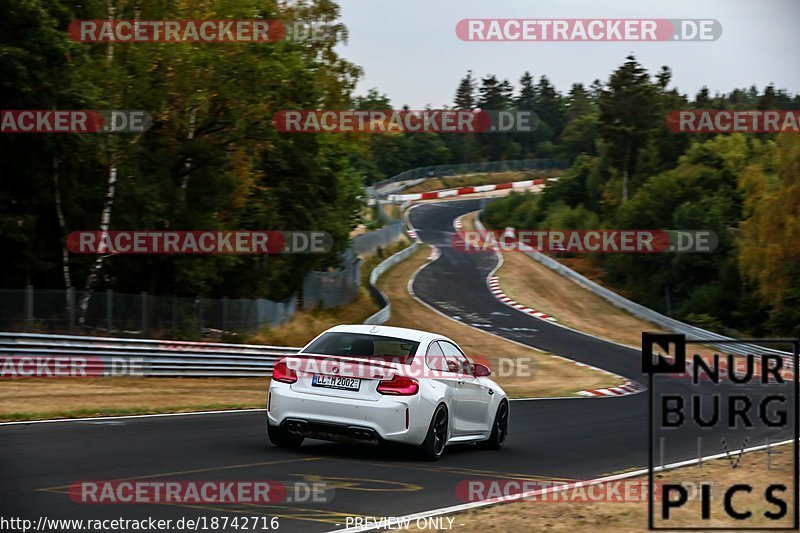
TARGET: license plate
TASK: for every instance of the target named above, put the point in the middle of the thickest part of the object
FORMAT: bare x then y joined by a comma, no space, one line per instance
335,382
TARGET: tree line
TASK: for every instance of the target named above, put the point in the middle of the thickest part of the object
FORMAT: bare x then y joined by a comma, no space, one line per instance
629,171
213,160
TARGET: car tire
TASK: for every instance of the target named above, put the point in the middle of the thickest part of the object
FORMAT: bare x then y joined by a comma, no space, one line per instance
499,428
282,438
432,447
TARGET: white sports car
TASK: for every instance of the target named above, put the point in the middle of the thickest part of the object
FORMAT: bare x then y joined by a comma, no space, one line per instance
368,384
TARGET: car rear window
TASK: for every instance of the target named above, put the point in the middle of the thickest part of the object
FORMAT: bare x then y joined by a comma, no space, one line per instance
364,346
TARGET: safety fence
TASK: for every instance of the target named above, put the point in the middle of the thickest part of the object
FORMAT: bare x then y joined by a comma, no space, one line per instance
167,316
139,357
385,236
331,289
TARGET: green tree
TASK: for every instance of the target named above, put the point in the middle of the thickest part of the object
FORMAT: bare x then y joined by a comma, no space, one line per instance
769,242
628,117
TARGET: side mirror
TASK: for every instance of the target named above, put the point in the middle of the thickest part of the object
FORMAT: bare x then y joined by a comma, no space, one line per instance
479,370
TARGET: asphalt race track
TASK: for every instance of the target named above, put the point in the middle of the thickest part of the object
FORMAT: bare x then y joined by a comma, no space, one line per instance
549,439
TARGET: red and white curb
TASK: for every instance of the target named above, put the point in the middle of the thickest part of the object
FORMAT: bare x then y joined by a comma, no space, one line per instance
444,193
626,389
435,253
458,225
494,287
413,235
629,387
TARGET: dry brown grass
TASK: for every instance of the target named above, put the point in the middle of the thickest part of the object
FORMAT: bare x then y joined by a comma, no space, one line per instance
552,377
38,398
305,325
532,284
538,515
536,286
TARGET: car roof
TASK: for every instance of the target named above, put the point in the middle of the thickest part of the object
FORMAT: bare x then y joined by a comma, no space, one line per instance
387,331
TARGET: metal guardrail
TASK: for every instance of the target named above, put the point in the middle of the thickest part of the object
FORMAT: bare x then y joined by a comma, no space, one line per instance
640,311
382,316
371,241
149,357
418,175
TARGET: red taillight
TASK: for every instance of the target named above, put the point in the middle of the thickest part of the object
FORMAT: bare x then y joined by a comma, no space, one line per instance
399,386
281,372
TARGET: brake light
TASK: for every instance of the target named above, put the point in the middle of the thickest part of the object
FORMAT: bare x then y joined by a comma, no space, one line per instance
281,372
399,386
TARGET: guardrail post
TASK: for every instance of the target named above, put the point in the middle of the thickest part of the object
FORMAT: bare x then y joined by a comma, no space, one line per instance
71,308
667,300
144,314
28,307
109,310
174,314
200,316
224,314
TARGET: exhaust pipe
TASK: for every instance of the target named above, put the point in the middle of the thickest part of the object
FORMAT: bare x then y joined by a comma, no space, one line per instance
297,427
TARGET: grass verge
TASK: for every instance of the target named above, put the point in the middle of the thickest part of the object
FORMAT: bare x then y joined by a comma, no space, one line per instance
583,513
43,398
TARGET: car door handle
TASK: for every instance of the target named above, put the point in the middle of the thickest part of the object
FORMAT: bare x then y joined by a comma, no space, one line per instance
491,391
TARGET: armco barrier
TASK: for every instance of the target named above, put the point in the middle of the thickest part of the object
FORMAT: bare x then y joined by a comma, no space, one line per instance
162,358
472,189
640,311
386,311
418,175
371,241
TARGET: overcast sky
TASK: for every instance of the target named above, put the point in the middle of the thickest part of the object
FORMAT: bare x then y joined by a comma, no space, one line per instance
409,49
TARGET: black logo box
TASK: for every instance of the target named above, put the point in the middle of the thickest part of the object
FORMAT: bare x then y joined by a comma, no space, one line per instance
675,346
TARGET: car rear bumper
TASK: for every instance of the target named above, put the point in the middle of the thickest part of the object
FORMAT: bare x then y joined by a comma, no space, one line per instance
329,431
348,420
